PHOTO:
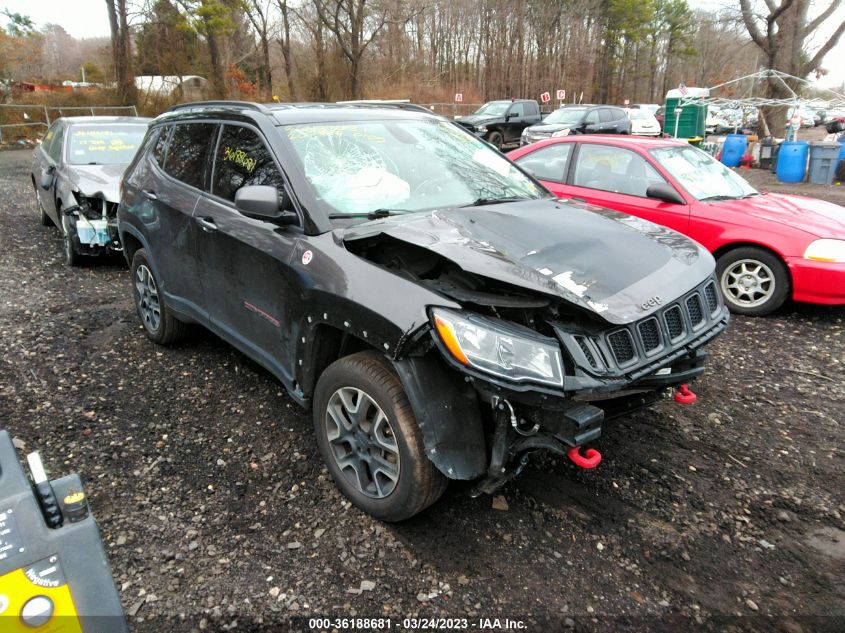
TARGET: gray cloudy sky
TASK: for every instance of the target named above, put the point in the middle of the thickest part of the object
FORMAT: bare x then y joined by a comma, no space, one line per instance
88,18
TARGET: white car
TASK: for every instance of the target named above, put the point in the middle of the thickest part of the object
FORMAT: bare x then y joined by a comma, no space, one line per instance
643,123
651,108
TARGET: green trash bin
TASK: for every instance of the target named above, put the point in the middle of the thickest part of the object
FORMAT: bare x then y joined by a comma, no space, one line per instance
823,161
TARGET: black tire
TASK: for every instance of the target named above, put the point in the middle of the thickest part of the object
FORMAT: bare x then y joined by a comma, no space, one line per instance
70,246
417,482
758,288
166,329
496,140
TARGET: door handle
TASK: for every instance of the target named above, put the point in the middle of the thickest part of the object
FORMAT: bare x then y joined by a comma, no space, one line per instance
149,195
207,224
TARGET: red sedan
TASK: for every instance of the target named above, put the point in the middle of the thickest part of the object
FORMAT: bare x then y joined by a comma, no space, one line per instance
767,246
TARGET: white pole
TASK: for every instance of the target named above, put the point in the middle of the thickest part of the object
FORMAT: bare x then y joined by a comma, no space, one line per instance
677,119
83,74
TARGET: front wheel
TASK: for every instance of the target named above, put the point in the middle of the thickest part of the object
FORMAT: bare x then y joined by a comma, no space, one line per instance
753,281
369,438
71,247
496,140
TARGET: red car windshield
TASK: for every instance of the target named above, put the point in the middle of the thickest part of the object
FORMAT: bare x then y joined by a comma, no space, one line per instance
701,175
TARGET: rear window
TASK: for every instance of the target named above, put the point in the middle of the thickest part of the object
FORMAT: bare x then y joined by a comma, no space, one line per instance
188,151
104,144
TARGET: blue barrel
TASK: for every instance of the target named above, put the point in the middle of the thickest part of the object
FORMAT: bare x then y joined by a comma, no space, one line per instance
733,149
792,161
841,151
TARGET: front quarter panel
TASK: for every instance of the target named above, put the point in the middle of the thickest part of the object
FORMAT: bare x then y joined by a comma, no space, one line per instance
332,286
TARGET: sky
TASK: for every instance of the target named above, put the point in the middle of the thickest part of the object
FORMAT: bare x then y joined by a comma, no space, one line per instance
88,18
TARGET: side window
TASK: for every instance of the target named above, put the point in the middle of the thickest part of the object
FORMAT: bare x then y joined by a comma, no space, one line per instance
188,152
161,145
243,159
547,163
614,169
532,108
592,117
619,114
605,115
518,109
55,149
47,141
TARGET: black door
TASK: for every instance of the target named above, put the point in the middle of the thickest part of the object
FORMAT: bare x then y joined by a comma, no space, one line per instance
173,198
515,122
243,262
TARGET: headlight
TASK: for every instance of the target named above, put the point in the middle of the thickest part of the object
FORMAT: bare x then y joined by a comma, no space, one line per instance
481,128
494,348
826,250
564,132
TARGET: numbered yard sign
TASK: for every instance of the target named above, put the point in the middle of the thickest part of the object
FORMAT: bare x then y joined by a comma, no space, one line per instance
545,97
459,97
561,95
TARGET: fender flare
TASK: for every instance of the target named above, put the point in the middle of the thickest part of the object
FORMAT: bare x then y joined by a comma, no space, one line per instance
448,414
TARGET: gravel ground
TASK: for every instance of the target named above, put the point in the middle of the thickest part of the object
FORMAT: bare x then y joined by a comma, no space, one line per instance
217,513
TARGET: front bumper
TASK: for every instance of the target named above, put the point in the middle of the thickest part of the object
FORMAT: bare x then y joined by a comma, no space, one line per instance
817,282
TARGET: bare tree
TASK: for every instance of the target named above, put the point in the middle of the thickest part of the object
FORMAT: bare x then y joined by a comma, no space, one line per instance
285,45
781,33
258,12
354,24
121,50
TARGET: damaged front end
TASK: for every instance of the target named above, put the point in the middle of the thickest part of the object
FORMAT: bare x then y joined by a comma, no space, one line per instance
521,368
93,224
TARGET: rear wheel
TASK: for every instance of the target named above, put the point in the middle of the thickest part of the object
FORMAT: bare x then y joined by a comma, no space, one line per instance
370,441
753,281
42,215
158,321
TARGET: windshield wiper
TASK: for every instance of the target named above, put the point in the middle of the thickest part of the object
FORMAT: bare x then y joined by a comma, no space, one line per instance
480,202
370,215
719,197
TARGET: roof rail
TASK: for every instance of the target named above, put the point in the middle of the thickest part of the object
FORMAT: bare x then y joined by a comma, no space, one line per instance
231,104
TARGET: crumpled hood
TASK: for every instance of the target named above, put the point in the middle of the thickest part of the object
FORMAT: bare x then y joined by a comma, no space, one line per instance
813,216
93,179
474,120
606,262
548,128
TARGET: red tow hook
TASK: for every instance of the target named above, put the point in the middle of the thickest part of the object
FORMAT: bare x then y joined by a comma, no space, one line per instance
590,459
684,395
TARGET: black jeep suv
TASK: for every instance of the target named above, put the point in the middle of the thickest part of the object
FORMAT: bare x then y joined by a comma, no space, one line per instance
441,313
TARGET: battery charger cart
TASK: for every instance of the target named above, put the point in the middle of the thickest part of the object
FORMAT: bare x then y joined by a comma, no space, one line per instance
54,575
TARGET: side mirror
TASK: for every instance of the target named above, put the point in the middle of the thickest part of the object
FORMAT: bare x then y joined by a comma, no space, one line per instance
510,115
263,202
664,192
47,177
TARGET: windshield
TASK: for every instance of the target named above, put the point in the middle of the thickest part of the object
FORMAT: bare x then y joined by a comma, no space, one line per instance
494,108
104,144
566,116
637,115
402,166
700,174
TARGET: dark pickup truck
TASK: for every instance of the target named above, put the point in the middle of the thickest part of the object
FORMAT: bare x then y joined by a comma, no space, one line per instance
501,123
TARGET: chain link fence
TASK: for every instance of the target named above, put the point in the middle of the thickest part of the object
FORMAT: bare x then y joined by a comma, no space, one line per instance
35,118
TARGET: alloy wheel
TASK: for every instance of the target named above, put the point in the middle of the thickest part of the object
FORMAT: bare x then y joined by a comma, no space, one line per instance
748,283
148,301
362,442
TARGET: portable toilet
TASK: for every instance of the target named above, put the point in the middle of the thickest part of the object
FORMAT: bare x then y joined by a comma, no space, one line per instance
693,117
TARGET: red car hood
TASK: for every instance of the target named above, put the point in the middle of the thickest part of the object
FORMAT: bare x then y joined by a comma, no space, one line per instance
817,217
